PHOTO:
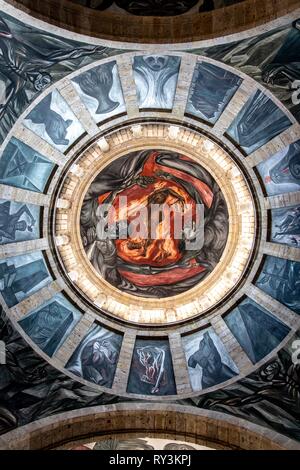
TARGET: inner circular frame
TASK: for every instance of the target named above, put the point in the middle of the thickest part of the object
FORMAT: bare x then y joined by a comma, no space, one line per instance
159,195
202,297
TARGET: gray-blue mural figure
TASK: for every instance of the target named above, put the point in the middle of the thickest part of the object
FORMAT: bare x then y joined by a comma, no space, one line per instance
23,167
256,329
284,67
49,325
281,172
98,83
286,226
26,58
100,90
211,90
18,222
259,121
151,371
97,356
280,278
56,127
61,127
21,276
208,361
288,169
156,80
271,58
269,397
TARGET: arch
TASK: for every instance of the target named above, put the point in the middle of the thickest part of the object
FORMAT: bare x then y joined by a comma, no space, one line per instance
203,427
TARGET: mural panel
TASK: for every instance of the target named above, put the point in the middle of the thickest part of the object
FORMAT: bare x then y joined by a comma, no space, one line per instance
21,276
18,222
208,361
259,121
30,61
271,58
151,371
23,167
48,326
286,225
54,121
96,357
156,80
101,92
211,90
31,389
159,264
270,397
256,329
280,278
281,172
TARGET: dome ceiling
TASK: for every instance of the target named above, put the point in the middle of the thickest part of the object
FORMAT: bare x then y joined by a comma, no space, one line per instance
136,316
159,22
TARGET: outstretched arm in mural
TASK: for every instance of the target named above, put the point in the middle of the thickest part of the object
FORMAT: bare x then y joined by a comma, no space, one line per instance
11,223
21,63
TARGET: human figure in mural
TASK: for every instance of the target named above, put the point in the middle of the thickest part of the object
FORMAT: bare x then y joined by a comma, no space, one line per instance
55,125
283,279
207,356
20,279
98,83
290,225
254,127
47,326
23,64
152,358
171,171
157,198
287,170
11,223
152,74
285,65
274,387
98,360
23,167
211,88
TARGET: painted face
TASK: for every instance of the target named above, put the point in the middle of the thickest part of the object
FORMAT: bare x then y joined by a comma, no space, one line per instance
42,81
156,62
21,225
107,348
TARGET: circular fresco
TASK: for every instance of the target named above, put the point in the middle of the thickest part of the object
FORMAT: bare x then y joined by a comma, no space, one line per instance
154,223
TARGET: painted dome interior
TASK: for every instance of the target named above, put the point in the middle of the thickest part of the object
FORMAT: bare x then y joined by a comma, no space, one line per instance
86,123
